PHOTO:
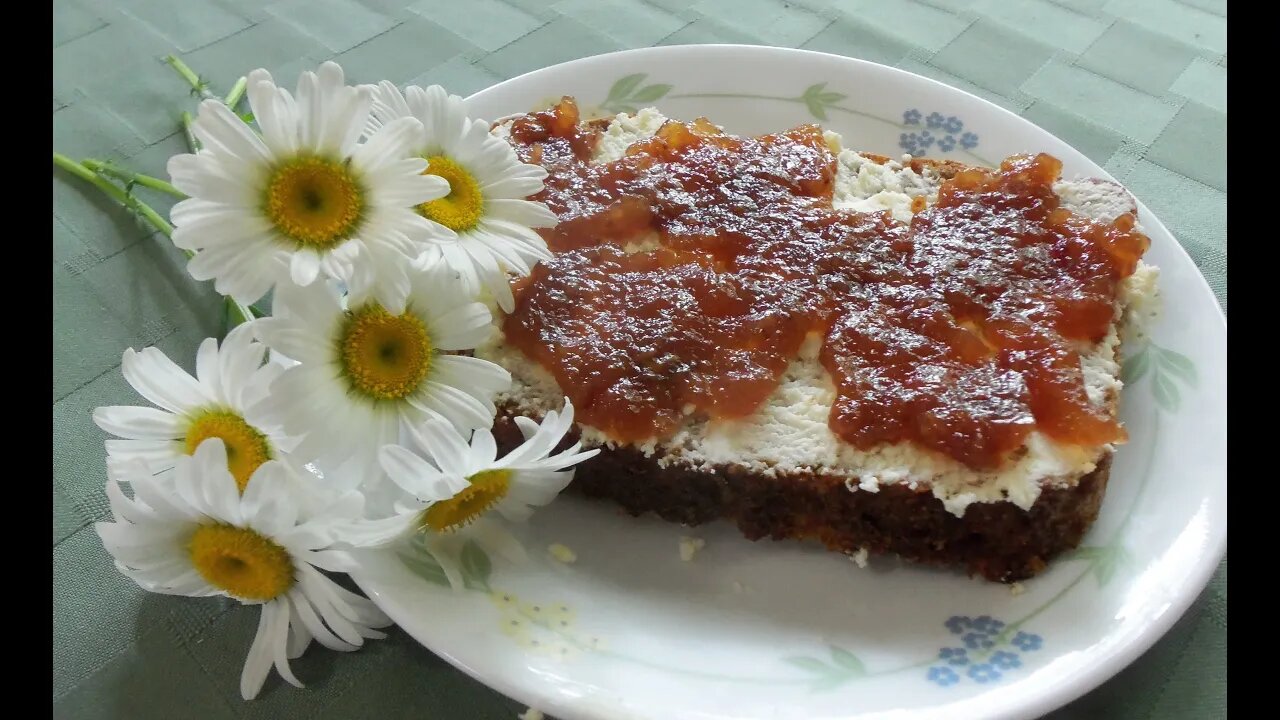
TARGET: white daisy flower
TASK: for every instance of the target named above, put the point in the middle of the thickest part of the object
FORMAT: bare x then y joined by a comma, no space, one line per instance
486,205
363,369
449,486
227,399
197,536
304,198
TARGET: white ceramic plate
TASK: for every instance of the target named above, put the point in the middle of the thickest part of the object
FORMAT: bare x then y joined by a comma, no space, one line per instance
786,630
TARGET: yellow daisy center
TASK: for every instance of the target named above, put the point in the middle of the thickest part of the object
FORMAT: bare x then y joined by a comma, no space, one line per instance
385,356
486,489
247,447
241,561
462,208
314,201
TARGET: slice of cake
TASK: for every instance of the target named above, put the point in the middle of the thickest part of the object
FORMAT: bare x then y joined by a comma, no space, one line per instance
911,357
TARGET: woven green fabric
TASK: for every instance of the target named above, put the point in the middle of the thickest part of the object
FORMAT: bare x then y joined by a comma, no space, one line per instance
1138,85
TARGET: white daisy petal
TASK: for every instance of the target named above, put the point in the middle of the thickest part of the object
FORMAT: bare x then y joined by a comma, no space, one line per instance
493,277
484,449
124,509
258,663
452,569
239,358
219,130
528,428
414,190
457,260
393,285
463,410
404,169
391,144
243,268
139,423
314,625
388,102
267,504
338,263
448,449
290,340
487,375
522,212
536,489
385,530
198,176
279,641
332,560
361,275
407,469
207,365
310,103
408,222
503,255
299,635
366,613
163,501
514,187
304,266
161,381
361,104
495,538
271,115
491,273
332,611
118,537
220,493
194,212
312,305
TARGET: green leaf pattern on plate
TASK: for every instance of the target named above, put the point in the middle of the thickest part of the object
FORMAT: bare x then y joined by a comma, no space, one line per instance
1104,560
818,101
842,667
627,95
1166,370
476,567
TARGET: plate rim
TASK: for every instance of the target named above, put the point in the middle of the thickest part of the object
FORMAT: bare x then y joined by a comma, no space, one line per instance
1110,661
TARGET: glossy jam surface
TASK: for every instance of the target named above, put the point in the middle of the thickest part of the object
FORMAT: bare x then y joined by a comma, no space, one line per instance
957,331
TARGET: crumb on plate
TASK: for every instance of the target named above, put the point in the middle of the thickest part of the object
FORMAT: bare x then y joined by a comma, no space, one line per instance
860,557
689,546
563,554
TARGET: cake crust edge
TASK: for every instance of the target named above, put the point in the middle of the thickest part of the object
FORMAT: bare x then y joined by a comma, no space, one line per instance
998,541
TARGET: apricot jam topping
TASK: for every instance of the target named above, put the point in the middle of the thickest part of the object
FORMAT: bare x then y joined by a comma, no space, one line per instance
958,331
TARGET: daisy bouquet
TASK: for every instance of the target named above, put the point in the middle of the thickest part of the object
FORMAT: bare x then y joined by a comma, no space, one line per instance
384,224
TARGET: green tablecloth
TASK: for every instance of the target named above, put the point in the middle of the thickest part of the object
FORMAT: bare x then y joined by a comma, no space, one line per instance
1138,85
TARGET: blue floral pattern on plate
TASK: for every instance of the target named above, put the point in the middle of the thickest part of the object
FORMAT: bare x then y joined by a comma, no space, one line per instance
989,651
935,130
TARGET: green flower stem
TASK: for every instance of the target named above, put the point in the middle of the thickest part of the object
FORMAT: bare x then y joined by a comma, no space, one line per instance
237,314
143,210
114,192
199,86
192,143
237,92
132,178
